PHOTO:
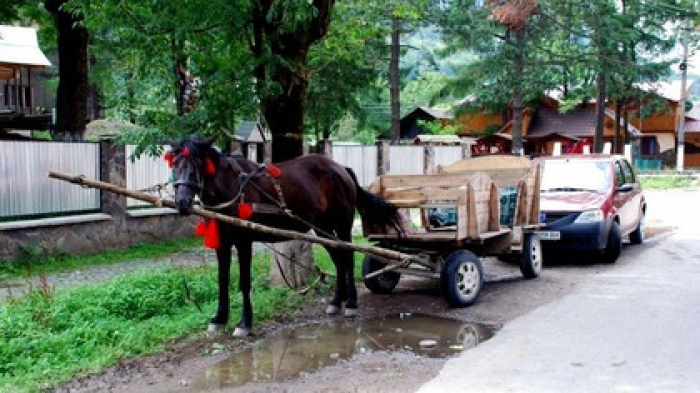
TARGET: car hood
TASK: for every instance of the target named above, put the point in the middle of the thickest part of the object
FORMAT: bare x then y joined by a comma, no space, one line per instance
571,201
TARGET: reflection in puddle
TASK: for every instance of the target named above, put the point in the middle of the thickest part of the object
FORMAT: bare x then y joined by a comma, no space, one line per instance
309,348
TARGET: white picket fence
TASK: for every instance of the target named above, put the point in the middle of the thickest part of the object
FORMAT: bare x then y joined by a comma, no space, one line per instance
26,189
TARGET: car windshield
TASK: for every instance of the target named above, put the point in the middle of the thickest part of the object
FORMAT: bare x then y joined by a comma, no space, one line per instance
575,175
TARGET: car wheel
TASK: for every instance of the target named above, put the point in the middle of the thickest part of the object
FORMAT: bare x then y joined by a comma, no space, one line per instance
462,278
614,245
531,258
383,283
637,236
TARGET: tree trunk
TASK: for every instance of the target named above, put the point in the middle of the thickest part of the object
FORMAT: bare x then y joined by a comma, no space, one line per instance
517,146
73,89
619,139
293,264
284,112
395,51
600,114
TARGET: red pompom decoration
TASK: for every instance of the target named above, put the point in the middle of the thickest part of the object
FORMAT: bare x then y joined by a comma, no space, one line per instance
245,211
210,231
185,152
209,167
273,171
168,157
201,229
211,239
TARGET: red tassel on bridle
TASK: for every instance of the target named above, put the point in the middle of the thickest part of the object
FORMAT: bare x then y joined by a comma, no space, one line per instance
273,171
209,167
168,157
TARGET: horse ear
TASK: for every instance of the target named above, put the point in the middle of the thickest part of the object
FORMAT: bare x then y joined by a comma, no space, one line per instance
208,141
171,142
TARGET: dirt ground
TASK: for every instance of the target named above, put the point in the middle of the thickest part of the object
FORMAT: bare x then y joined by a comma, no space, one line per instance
505,296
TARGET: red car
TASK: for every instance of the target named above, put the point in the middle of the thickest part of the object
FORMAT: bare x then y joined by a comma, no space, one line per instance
590,203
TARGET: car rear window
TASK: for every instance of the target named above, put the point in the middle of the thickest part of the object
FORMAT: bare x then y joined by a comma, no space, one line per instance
575,175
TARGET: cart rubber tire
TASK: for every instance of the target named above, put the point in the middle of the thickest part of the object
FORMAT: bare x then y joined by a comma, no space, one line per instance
462,278
637,236
614,246
531,258
382,284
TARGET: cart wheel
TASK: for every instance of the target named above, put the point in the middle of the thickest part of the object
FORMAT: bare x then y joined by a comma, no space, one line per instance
462,278
531,258
383,283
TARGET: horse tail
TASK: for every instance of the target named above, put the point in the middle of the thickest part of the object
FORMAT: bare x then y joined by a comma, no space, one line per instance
376,210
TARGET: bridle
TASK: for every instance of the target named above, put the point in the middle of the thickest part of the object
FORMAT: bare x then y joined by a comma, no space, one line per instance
197,184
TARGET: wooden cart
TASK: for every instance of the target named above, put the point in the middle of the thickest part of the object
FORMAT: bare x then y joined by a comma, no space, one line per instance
492,209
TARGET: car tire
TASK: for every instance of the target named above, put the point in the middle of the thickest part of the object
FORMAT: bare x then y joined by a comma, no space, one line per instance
531,258
382,284
637,236
462,278
613,247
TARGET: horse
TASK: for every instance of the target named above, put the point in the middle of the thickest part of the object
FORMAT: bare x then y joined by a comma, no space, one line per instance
307,192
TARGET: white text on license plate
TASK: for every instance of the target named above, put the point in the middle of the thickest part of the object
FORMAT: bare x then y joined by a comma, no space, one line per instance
548,235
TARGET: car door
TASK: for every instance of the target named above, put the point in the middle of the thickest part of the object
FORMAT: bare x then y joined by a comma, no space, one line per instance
625,195
633,205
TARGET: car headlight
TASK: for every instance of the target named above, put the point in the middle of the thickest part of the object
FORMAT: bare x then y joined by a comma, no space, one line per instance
589,217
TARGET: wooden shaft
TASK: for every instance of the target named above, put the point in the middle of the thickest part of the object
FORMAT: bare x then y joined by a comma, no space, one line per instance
381,252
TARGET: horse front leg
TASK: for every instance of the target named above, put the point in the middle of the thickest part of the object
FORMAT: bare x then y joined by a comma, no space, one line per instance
220,319
245,256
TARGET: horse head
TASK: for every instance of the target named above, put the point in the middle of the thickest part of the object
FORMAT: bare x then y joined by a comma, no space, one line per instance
193,161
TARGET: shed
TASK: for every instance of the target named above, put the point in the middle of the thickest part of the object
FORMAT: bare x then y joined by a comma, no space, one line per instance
409,124
249,140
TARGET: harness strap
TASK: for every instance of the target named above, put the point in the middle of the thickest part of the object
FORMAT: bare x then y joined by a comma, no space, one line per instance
277,186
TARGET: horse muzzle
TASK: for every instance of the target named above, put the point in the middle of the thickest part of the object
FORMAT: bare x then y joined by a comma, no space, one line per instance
184,204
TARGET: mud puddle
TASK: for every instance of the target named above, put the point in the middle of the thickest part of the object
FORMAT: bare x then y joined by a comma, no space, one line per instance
306,349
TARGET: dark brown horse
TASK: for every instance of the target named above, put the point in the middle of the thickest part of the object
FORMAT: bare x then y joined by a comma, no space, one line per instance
309,192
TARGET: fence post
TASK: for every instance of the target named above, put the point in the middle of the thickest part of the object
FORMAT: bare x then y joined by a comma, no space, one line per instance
428,159
328,148
466,150
383,158
112,170
267,155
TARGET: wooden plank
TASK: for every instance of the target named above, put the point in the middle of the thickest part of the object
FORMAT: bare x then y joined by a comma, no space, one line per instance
434,180
440,236
424,194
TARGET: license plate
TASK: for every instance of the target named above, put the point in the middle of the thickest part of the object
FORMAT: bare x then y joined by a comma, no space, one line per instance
548,235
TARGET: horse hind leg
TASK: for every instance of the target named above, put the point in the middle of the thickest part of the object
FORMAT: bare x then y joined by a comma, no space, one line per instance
345,290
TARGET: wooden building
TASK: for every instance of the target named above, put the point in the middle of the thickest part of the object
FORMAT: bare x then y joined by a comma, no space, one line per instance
25,104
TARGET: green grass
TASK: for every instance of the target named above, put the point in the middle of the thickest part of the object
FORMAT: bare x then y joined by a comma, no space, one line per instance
33,262
48,337
52,336
662,182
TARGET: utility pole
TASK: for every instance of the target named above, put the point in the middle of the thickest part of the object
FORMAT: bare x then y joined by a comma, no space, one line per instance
680,131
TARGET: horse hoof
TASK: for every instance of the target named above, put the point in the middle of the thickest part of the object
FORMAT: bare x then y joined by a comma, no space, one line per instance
332,310
350,312
215,328
241,332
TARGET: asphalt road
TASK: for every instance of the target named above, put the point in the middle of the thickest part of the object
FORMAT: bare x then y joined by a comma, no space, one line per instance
635,328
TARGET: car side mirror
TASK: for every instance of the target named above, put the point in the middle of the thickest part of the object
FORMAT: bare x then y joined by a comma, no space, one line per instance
624,188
